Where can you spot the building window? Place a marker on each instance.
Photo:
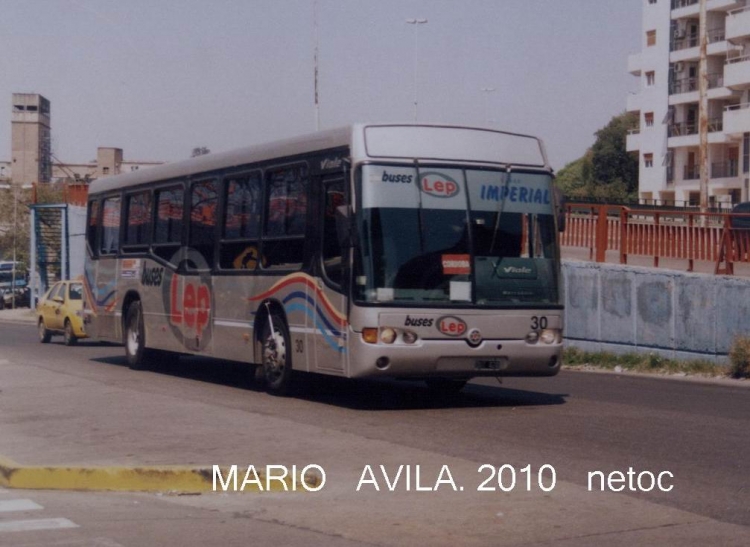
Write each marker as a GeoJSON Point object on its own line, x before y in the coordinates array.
{"type": "Point", "coordinates": [650, 38]}
{"type": "Point", "coordinates": [648, 160]}
{"type": "Point", "coordinates": [652, 1]}
{"type": "Point", "coordinates": [746, 152]}
{"type": "Point", "coordinates": [648, 118]}
{"type": "Point", "coordinates": [105, 170]}
{"type": "Point", "coordinates": [650, 78]}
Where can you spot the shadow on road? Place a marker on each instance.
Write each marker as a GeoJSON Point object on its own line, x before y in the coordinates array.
{"type": "Point", "coordinates": [368, 395]}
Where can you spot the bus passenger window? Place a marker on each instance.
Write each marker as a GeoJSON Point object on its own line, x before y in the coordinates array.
{"type": "Point", "coordinates": [92, 226]}
{"type": "Point", "coordinates": [168, 225]}
{"type": "Point", "coordinates": [332, 255]}
{"type": "Point", "coordinates": [110, 240]}
{"type": "Point", "coordinates": [286, 217]}
{"type": "Point", "coordinates": [137, 220]}
{"type": "Point", "coordinates": [241, 230]}
{"type": "Point", "coordinates": [203, 202]}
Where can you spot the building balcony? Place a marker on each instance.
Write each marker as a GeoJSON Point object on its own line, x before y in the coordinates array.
{"type": "Point", "coordinates": [633, 102]}
{"type": "Point", "coordinates": [738, 25]}
{"type": "Point", "coordinates": [720, 170]}
{"type": "Point", "coordinates": [686, 134]}
{"type": "Point", "coordinates": [633, 140]}
{"type": "Point", "coordinates": [724, 170]}
{"type": "Point", "coordinates": [737, 119]}
{"type": "Point", "coordinates": [737, 73]}
{"type": "Point", "coordinates": [634, 64]}
{"type": "Point", "coordinates": [724, 5]}
{"type": "Point", "coordinates": [684, 8]}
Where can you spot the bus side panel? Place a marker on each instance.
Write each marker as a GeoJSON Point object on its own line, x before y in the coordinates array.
{"type": "Point", "coordinates": [330, 330]}
{"type": "Point", "coordinates": [101, 291]}
{"type": "Point", "coordinates": [154, 286]}
{"type": "Point", "coordinates": [234, 316]}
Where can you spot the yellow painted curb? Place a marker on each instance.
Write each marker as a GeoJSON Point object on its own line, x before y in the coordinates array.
{"type": "Point", "coordinates": [137, 479]}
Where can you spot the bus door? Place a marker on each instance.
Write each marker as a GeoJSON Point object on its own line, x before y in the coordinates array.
{"type": "Point", "coordinates": [330, 303]}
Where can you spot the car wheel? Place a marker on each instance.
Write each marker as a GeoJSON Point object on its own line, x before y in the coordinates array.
{"type": "Point", "coordinates": [135, 338]}
{"type": "Point", "coordinates": [44, 335]}
{"type": "Point", "coordinates": [68, 336]}
{"type": "Point", "coordinates": [277, 359]}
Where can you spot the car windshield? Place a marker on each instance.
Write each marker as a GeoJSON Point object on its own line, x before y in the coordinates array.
{"type": "Point", "coordinates": [76, 291]}
{"type": "Point", "coordinates": [450, 236]}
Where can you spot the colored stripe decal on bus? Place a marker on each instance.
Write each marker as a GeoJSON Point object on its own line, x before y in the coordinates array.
{"type": "Point", "coordinates": [307, 311]}
{"type": "Point", "coordinates": [318, 311]}
{"type": "Point", "coordinates": [327, 320]}
{"type": "Point", "coordinates": [333, 314]}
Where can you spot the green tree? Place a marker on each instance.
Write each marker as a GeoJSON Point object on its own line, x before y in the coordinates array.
{"type": "Point", "coordinates": [606, 171]}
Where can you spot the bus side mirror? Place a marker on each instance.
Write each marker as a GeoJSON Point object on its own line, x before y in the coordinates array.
{"type": "Point", "coordinates": [344, 230]}
{"type": "Point", "coordinates": [559, 208]}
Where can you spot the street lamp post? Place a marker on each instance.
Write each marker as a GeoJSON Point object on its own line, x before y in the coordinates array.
{"type": "Point", "coordinates": [487, 91]}
{"type": "Point", "coordinates": [416, 23]}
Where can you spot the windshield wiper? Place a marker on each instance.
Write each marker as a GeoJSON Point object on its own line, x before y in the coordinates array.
{"type": "Point", "coordinates": [501, 206]}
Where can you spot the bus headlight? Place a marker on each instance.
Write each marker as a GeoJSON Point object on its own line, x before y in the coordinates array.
{"type": "Point", "coordinates": [388, 335]}
{"type": "Point", "coordinates": [532, 337]}
{"type": "Point", "coordinates": [548, 336]}
{"type": "Point", "coordinates": [409, 337]}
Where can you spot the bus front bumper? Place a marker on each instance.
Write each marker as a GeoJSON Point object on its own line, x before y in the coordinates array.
{"type": "Point", "coordinates": [455, 359]}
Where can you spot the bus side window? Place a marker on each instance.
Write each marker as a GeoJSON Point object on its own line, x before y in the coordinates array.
{"type": "Point", "coordinates": [332, 253]}
{"type": "Point", "coordinates": [283, 241]}
{"type": "Point", "coordinates": [168, 225]}
{"type": "Point", "coordinates": [110, 238]}
{"type": "Point", "coordinates": [92, 225]}
{"type": "Point", "coordinates": [204, 198]}
{"type": "Point", "coordinates": [241, 229]}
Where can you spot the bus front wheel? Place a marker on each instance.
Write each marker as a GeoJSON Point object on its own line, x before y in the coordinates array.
{"type": "Point", "coordinates": [277, 360]}
{"type": "Point", "coordinates": [134, 337]}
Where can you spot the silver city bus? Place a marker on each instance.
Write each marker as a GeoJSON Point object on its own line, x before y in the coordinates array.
{"type": "Point", "coordinates": [410, 251]}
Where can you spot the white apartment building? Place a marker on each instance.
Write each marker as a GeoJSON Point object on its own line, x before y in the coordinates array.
{"type": "Point", "coordinates": [667, 140]}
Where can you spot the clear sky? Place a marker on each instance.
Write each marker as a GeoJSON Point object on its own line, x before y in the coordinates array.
{"type": "Point", "coordinates": [160, 77]}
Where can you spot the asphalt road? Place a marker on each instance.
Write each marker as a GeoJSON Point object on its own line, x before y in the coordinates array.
{"type": "Point", "coordinates": [577, 422]}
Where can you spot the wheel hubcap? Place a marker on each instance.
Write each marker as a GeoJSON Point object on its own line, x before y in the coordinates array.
{"type": "Point", "coordinates": [274, 355]}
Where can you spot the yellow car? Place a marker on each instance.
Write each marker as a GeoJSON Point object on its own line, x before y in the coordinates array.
{"type": "Point", "coordinates": [59, 311]}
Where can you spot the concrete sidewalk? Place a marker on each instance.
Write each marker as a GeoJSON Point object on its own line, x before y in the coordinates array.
{"type": "Point", "coordinates": [19, 315]}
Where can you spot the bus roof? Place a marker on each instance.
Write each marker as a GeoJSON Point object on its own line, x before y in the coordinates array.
{"type": "Point", "coordinates": [377, 141]}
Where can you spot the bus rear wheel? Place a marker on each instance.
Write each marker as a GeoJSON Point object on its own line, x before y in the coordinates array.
{"type": "Point", "coordinates": [134, 337]}
{"type": "Point", "coordinates": [277, 360]}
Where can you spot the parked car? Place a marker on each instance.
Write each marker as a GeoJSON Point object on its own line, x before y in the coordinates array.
{"type": "Point", "coordinates": [742, 222]}
{"type": "Point", "coordinates": [22, 297]}
{"type": "Point", "coordinates": [60, 311]}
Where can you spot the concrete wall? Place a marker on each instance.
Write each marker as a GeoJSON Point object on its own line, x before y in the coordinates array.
{"type": "Point", "coordinates": [676, 314]}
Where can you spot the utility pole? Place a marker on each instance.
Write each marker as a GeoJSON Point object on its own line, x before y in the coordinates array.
{"type": "Point", "coordinates": [703, 109]}
{"type": "Point", "coordinates": [317, 102]}
{"type": "Point", "coordinates": [416, 23]}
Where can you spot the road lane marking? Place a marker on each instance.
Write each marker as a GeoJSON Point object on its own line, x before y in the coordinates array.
{"type": "Point", "coordinates": [35, 524]}
{"type": "Point", "coordinates": [6, 506]}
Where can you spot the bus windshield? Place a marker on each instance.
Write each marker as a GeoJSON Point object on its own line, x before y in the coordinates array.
{"type": "Point", "coordinates": [454, 236]}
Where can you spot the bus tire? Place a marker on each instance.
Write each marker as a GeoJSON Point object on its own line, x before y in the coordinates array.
{"type": "Point", "coordinates": [44, 335]}
{"type": "Point", "coordinates": [68, 336]}
{"type": "Point", "coordinates": [276, 357]}
{"type": "Point", "coordinates": [445, 386]}
{"type": "Point", "coordinates": [134, 337]}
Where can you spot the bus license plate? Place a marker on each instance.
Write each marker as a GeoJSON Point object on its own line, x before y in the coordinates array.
{"type": "Point", "coordinates": [491, 364]}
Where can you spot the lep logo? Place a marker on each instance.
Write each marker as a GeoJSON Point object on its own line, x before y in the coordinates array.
{"type": "Point", "coordinates": [439, 185]}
